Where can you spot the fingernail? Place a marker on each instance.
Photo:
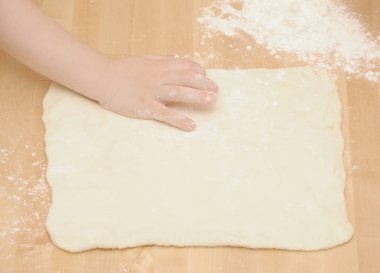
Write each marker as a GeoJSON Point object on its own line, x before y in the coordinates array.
{"type": "Point", "coordinates": [211, 97]}
{"type": "Point", "coordinates": [190, 125]}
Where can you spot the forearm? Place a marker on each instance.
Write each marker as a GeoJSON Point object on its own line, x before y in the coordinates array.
{"type": "Point", "coordinates": [138, 87]}
{"type": "Point", "coordinates": [38, 42]}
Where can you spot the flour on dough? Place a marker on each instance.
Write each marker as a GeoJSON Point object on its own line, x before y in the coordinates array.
{"type": "Point", "coordinates": [264, 168]}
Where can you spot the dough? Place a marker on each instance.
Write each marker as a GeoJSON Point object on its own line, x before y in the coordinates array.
{"type": "Point", "coordinates": [264, 169]}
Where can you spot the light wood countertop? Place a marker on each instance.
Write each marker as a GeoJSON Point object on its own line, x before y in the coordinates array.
{"type": "Point", "coordinates": [124, 27]}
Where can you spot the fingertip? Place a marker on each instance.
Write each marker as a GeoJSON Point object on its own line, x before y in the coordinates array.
{"type": "Point", "coordinates": [189, 125]}
{"type": "Point", "coordinates": [170, 117]}
{"type": "Point", "coordinates": [210, 97]}
{"type": "Point", "coordinates": [212, 86]}
{"type": "Point", "coordinates": [216, 87]}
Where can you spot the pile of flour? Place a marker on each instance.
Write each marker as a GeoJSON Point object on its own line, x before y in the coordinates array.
{"type": "Point", "coordinates": [318, 32]}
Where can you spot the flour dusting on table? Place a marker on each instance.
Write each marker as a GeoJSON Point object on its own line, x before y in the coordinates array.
{"type": "Point", "coordinates": [26, 194]}
{"type": "Point", "coordinates": [318, 32]}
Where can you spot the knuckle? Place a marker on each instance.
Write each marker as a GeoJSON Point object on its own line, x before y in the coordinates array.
{"type": "Point", "coordinates": [196, 68]}
{"type": "Point", "coordinates": [191, 96]}
{"type": "Point", "coordinates": [192, 65]}
{"type": "Point", "coordinates": [196, 77]}
{"type": "Point", "coordinates": [163, 113]}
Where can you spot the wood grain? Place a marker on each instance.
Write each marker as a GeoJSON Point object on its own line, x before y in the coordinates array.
{"type": "Point", "coordinates": [124, 27]}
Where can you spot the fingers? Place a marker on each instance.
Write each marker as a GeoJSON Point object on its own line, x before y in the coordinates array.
{"type": "Point", "coordinates": [173, 118]}
{"type": "Point", "coordinates": [190, 79]}
{"type": "Point", "coordinates": [177, 64]}
{"type": "Point", "coordinates": [172, 63]}
{"type": "Point", "coordinates": [183, 72]}
{"type": "Point", "coordinates": [186, 95]}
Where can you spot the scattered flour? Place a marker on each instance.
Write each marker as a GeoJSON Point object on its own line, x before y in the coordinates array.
{"type": "Point", "coordinates": [318, 32]}
{"type": "Point", "coordinates": [25, 196]}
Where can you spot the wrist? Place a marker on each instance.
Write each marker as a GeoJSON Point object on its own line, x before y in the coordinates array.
{"type": "Point", "coordinates": [95, 81]}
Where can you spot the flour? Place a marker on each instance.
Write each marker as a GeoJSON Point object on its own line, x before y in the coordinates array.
{"type": "Point", "coordinates": [26, 194]}
{"type": "Point", "coordinates": [318, 32]}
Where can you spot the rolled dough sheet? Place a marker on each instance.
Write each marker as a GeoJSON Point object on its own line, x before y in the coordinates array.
{"type": "Point", "coordinates": [264, 169]}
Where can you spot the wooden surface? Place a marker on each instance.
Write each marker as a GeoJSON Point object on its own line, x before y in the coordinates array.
{"type": "Point", "coordinates": [124, 27]}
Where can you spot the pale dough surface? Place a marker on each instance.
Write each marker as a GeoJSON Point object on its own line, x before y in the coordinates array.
{"type": "Point", "coordinates": [264, 169]}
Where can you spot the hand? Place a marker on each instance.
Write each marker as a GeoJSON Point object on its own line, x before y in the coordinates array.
{"type": "Point", "coordinates": [138, 87]}
{"type": "Point", "coordinates": [141, 87]}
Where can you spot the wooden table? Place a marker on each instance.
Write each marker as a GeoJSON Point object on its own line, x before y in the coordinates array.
{"type": "Point", "coordinates": [124, 27]}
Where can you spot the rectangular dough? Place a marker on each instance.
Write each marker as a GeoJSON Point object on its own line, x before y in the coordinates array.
{"type": "Point", "coordinates": [263, 169]}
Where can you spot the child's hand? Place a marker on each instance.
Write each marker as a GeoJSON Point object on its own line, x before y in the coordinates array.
{"type": "Point", "coordinates": [140, 87]}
